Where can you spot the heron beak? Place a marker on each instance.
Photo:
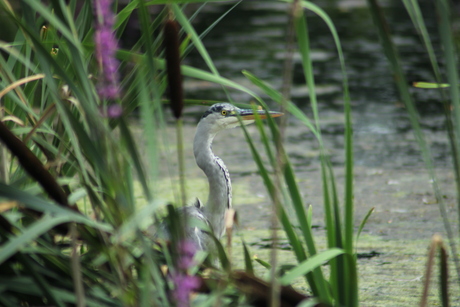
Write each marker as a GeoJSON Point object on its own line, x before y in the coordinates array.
{"type": "Point", "coordinates": [248, 114]}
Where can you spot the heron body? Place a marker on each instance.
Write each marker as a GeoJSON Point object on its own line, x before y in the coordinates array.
{"type": "Point", "coordinates": [217, 118]}
{"type": "Point", "coordinates": [220, 185]}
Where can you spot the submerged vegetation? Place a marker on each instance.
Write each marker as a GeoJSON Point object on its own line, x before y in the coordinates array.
{"type": "Point", "coordinates": [73, 226]}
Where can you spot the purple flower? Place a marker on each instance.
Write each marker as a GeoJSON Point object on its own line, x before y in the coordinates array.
{"type": "Point", "coordinates": [106, 47]}
{"type": "Point", "coordinates": [184, 283]}
{"type": "Point", "coordinates": [186, 251]}
{"type": "Point", "coordinates": [112, 111]}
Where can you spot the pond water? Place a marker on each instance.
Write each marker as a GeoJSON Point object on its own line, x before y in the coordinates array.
{"type": "Point", "coordinates": [253, 37]}
{"type": "Point", "coordinates": [389, 172]}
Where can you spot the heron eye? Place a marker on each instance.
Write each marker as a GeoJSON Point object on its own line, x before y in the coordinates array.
{"type": "Point", "coordinates": [223, 112]}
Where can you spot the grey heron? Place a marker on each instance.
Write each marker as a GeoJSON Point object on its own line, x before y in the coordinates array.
{"type": "Point", "coordinates": [218, 117]}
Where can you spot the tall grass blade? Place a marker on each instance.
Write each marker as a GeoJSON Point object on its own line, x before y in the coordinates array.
{"type": "Point", "coordinates": [182, 19]}
{"type": "Point", "coordinates": [247, 260]}
{"type": "Point", "coordinates": [38, 228]}
{"type": "Point", "coordinates": [450, 54]}
{"type": "Point", "coordinates": [135, 157]}
{"type": "Point", "coordinates": [41, 205]}
{"type": "Point", "coordinates": [401, 82]}
{"type": "Point", "coordinates": [76, 268]}
{"type": "Point", "coordinates": [449, 51]}
{"type": "Point", "coordinates": [222, 255]}
{"type": "Point", "coordinates": [195, 38]}
{"type": "Point", "coordinates": [147, 119]}
{"type": "Point", "coordinates": [348, 222]}
{"type": "Point", "coordinates": [310, 264]}
{"type": "Point", "coordinates": [40, 281]}
{"type": "Point", "coordinates": [212, 26]}
{"type": "Point", "coordinates": [147, 34]}
{"type": "Point", "coordinates": [363, 222]}
{"type": "Point", "coordinates": [315, 279]}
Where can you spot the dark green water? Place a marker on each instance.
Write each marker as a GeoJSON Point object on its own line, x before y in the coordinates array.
{"type": "Point", "coordinates": [253, 37]}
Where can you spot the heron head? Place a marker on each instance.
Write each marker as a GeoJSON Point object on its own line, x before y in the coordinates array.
{"type": "Point", "coordinates": [222, 116]}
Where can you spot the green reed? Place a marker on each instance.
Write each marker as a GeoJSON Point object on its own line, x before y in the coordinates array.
{"type": "Point", "coordinates": [449, 97]}
{"type": "Point", "coordinates": [96, 163]}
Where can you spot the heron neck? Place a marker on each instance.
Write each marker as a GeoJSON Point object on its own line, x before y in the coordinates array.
{"type": "Point", "coordinates": [220, 187]}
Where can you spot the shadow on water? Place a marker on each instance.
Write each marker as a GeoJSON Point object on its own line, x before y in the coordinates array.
{"type": "Point", "coordinates": [252, 37]}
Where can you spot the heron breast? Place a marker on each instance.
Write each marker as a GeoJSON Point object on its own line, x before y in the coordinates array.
{"type": "Point", "coordinates": [228, 182]}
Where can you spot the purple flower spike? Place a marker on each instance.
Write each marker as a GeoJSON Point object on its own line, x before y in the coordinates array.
{"type": "Point", "coordinates": [106, 48]}
{"type": "Point", "coordinates": [184, 283]}
{"type": "Point", "coordinates": [186, 251]}
{"type": "Point", "coordinates": [112, 111]}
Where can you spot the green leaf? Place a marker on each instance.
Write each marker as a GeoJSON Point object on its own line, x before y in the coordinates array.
{"type": "Point", "coordinates": [310, 264]}
{"type": "Point", "coordinates": [226, 265]}
{"type": "Point", "coordinates": [363, 223]}
{"type": "Point", "coordinates": [182, 19]}
{"type": "Point", "coordinates": [247, 260]}
{"type": "Point", "coordinates": [38, 204]}
{"type": "Point", "coordinates": [135, 157]}
{"type": "Point", "coordinates": [31, 233]}
{"type": "Point", "coordinates": [263, 263]}
{"type": "Point", "coordinates": [430, 85]}
{"type": "Point", "coordinates": [277, 97]}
